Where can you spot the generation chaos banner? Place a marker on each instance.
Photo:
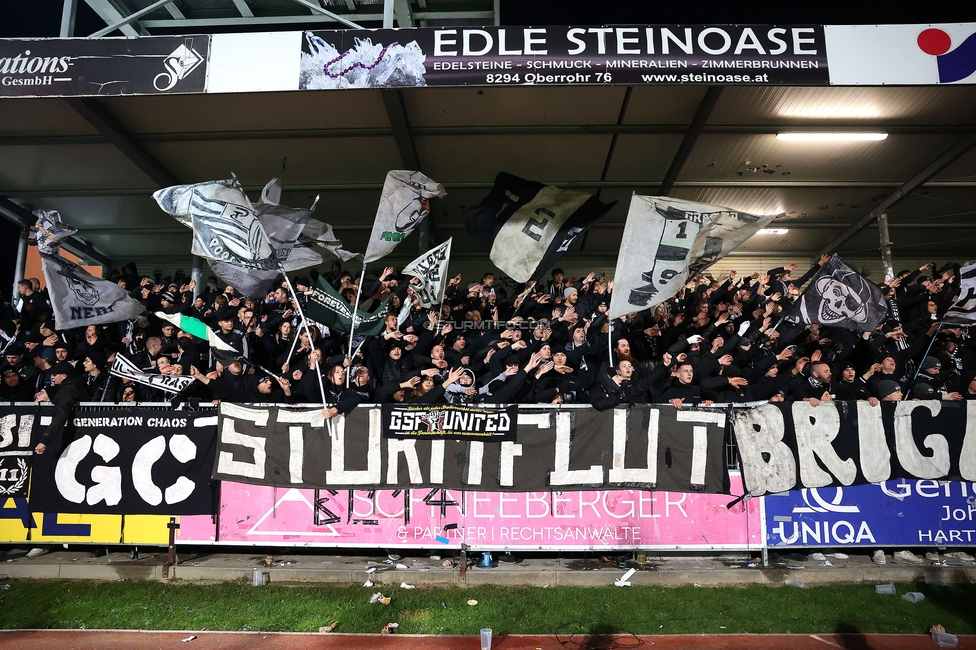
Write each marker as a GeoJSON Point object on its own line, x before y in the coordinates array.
{"type": "Point", "coordinates": [133, 461]}
{"type": "Point", "coordinates": [631, 55]}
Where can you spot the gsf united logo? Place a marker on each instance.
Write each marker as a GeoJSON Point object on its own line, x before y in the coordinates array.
{"type": "Point", "coordinates": [179, 64]}
{"type": "Point", "coordinates": [954, 64]}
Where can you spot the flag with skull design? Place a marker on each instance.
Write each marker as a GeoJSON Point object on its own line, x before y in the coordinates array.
{"type": "Point", "coordinates": [838, 296]}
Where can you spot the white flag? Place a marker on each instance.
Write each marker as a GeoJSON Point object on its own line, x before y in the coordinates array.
{"type": "Point", "coordinates": [963, 311]}
{"type": "Point", "coordinates": [666, 240]}
{"type": "Point", "coordinates": [79, 299]}
{"type": "Point", "coordinates": [124, 368]}
{"type": "Point", "coordinates": [403, 205]}
{"type": "Point", "coordinates": [431, 269]}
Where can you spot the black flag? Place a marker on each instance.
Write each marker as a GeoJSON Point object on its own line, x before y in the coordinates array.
{"type": "Point", "coordinates": [839, 297]}
{"type": "Point", "coordinates": [527, 226]}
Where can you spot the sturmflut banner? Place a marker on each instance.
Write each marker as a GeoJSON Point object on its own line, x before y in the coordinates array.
{"type": "Point", "coordinates": [137, 461]}
{"type": "Point", "coordinates": [795, 445]}
{"type": "Point", "coordinates": [650, 448]}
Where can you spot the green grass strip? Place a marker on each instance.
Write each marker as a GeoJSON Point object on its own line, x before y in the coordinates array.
{"type": "Point", "coordinates": [638, 610]}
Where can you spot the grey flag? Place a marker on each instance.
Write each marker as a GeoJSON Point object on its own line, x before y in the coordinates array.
{"type": "Point", "coordinates": [80, 299]}
{"type": "Point", "coordinates": [403, 205]}
{"type": "Point", "coordinates": [283, 225]}
{"type": "Point", "coordinates": [667, 240]}
{"type": "Point", "coordinates": [49, 232]}
{"type": "Point", "coordinates": [225, 224]}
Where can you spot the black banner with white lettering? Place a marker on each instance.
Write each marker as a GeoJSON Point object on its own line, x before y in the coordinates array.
{"type": "Point", "coordinates": [17, 440]}
{"type": "Point", "coordinates": [133, 461]}
{"type": "Point", "coordinates": [445, 422]}
{"type": "Point", "coordinates": [631, 55]}
{"type": "Point", "coordinates": [789, 446]}
{"type": "Point", "coordinates": [103, 66]}
{"type": "Point", "coordinates": [644, 447]}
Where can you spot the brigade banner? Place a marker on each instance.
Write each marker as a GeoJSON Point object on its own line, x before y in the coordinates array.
{"type": "Point", "coordinates": [631, 55]}
{"type": "Point", "coordinates": [645, 447]}
{"type": "Point", "coordinates": [17, 424]}
{"type": "Point", "coordinates": [136, 461]}
{"type": "Point", "coordinates": [794, 445]}
{"type": "Point", "coordinates": [103, 66]}
{"type": "Point", "coordinates": [895, 513]}
{"type": "Point", "coordinates": [446, 422]}
{"type": "Point", "coordinates": [446, 519]}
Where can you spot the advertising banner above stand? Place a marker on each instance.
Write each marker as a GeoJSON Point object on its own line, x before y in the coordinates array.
{"type": "Point", "coordinates": [105, 66]}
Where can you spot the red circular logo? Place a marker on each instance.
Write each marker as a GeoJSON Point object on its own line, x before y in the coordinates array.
{"type": "Point", "coordinates": [934, 41]}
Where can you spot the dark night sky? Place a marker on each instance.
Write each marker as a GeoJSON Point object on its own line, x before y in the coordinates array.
{"type": "Point", "coordinates": [27, 18]}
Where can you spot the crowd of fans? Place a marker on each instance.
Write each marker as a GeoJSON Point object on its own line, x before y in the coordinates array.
{"type": "Point", "coordinates": [716, 341]}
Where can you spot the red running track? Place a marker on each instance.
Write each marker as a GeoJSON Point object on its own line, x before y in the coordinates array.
{"type": "Point", "coordinates": [137, 640]}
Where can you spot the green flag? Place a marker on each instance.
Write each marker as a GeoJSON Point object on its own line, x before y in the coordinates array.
{"type": "Point", "coordinates": [329, 308]}
{"type": "Point", "coordinates": [196, 328]}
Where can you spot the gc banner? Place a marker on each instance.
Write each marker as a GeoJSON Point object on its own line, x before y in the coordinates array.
{"type": "Point", "coordinates": [650, 448]}
{"type": "Point", "coordinates": [137, 461]}
{"type": "Point", "coordinates": [17, 448]}
{"type": "Point", "coordinates": [790, 446]}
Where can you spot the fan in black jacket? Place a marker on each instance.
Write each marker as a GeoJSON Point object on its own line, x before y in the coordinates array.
{"type": "Point", "coordinates": [67, 391]}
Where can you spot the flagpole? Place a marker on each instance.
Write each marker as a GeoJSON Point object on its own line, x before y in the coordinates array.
{"type": "Point", "coordinates": [355, 312]}
{"type": "Point", "coordinates": [311, 343]}
{"type": "Point", "coordinates": [294, 342]}
{"type": "Point", "coordinates": [919, 368]}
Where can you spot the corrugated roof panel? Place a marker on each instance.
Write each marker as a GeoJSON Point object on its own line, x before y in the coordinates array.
{"type": "Point", "coordinates": [521, 106]}
{"type": "Point", "coordinates": [805, 105]}
{"type": "Point", "coordinates": [536, 157]}
{"type": "Point", "coordinates": [249, 112]}
{"type": "Point", "coordinates": [643, 157]}
{"type": "Point", "coordinates": [58, 167]}
{"type": "Point", "coordinates": [335, 160]}
{"type": "Point", "coordinates": [763, 157]}
{"type": "Point", "coordinates": [34, 117]}
{"type": "Point", "coordinates": [841, 204]}
{"type": "Point", "coordinates": [663, 105]}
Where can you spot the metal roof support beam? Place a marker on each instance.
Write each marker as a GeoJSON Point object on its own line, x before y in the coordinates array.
{"type": "Point", "coordinates": [243, 9]}
{"type": "Point", "coordinates": [613, 145]}
{"type": "Point", "coordinates": [26, 219]}
{"type": "Point", "coordinates": [691, 137]}
{"type": "Point", "coordinates": [111, 12]}
{"type": "Point", "coordinates": [397, 114]}
{"type": "Point", "coordinates": [240, 21]}
{"type": "Point", "coordinates": [325, 12]}
{"type": "Point", "coordinates": [68, 14]}
{"type": "Point", "coordinates": [108, 126]}
{"type": "Point", "coordinates": [947, 158]}
{"type": "Point", "coordinates": [130, 18]}
{"type": "Point", "coordinates": [404, 16]}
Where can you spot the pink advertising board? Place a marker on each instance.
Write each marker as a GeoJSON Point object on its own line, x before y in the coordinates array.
{"type": "Point", "coordinates": [265, 516]}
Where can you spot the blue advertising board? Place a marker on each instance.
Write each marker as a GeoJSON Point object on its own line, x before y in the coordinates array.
{"type": "Point", "coordinates": [895, 513]}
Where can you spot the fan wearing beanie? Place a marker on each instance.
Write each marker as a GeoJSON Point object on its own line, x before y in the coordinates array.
{"type": "Point", "coordinates": [67, 391]}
